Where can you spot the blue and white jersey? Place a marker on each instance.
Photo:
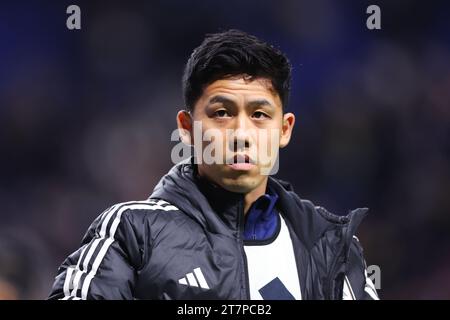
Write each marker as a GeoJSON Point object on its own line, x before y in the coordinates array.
{"type": "Point", "coordinates": [272, 269]}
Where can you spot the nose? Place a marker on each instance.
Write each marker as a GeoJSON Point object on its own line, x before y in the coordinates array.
{"type": "Point", "coordinates": [241, 138]}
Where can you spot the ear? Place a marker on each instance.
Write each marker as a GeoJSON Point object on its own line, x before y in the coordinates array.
{"type": "Point", "coordinates": [286, 129]}
{"type": "Point", "coordinates": [184, 124]}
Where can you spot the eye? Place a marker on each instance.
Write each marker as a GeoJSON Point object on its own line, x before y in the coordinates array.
{"type": "Point", "coordinates": [260, 115]}
{"type": "Point", "coordinates": [222, 113]}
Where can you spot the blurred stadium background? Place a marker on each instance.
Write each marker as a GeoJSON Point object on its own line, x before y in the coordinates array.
{"type": "Point", "coordinates": [86, 118]}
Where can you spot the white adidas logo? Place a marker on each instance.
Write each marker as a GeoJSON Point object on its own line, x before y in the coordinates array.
{"type": "Point", "coordinates": [195, 279]}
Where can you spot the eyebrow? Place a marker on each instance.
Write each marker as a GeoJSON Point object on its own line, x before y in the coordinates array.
{"type": "Point", "coordinates": [252, 104]}
{"type": "Point", "coordinates": [221, 99]}
{"type": "Point", "coordinates": [260, 103]}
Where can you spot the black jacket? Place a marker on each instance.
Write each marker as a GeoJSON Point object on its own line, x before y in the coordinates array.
{"type": "Point", "coordinates": [140, 249]}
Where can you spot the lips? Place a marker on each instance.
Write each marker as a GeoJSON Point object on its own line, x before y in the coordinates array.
{"type": "Point", "coordinates": [242, 162]}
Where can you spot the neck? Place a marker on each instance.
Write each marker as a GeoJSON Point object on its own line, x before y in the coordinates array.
{"type": "Point", "coordinates": [253, 195]}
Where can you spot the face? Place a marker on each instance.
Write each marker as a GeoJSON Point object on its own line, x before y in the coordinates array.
{"type": "Point", "coordinates": [244, 122]}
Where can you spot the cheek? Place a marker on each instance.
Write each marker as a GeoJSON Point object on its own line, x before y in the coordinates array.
{"type": "Point", "coordinates": [268, 141]}
{"type": "Point", "coordinates": [215, 142]}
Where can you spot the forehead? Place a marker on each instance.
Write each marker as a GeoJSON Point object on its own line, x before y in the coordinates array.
{"type": "Point", "coordinates": [242, 88]}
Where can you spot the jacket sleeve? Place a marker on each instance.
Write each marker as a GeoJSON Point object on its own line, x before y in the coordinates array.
{"type": "Point", "coordinates": [105, 265]}
{"type": "Point", "coordinates": [357, 284]}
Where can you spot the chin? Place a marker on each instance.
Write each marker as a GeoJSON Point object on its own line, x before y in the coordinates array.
{"type": "Point", "coordinates": [240, 185]}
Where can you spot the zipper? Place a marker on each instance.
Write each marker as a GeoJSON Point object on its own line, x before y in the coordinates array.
{"type": "Point", "coordinates": [331, 277]}
{"type": "Point", "coordinates": [332, 273]}
{"type": "Point", "coordinates": [241, 248]}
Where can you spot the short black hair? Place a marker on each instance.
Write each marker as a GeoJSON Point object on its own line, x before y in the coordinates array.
{"type": "Point", "coordinates": [231, 53]}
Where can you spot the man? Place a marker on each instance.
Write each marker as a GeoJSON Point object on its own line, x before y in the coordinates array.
{"type": "Point", "coordinates": [217, 226]}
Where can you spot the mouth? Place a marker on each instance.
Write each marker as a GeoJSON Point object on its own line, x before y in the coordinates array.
{"type": "Point", "coordinates": [241, 162]}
